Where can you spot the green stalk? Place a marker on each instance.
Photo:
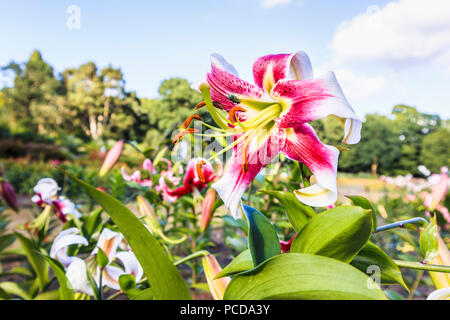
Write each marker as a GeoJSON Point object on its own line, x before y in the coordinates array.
{"type": "Point", "coordinates": [400, 224]}
{"type": "Point", "coordinates": [422, 266]}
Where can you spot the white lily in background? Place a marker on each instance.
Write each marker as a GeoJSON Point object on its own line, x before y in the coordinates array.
{"type": "Point", "coordinates": [61, 243]}
{"type": "Point", "coordinates": [46, 190]}
{"type": "Point", "coordinates": [109, 241]}
{"type": "Point", "coordinates": [76, 268]}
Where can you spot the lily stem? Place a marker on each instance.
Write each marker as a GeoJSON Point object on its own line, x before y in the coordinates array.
{"type": "Point", "coordinates": [422, 266]}
{"type": "Point", "coordinates": [400, 224]}
{"type": "Point", "coordinates": [197, 254]}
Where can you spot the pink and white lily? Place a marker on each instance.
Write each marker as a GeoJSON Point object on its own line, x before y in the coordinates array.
{"type": "Point", "coordinates": [136, 175]}
{"type": "Point", "coordinates": [198, 174]}
{"type": "Point", "coordinates": [46, 193]}
{"type": "Point", "coordinates": [271, 116]}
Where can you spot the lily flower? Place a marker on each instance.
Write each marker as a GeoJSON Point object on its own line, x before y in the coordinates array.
{"type": "Point", "coordinates": [271, 116]}
{"type": "Point", "coordinates": [198, 174]}
{"type": "Point", "coordinates": [111, 157]}
{"type": "Point", "coordinates": [46, 190]}
{"type": "Point", "coordinates": [64, 207]}
{"type": "Point", "coordinates": [62, 242]}
{"type": "Point", "coordinates": [109, 241]}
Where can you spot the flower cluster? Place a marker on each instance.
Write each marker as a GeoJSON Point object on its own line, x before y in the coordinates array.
{"type": "Point", "coordinates": [46, 193]}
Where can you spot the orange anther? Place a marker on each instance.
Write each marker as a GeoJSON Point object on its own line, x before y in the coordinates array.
{"type": "Point", "coordinates": [200, 171]}
{"type": "Point", "coordinates": [245, 164]}
{"type": "Point", "coordinates": [182, 133]}
{"type": "Point", "coordinates": [232, 112]}
{"type": "Point", "coordinates": [189, 120]}
{"type": "Point", "coordinates": [200, 105]}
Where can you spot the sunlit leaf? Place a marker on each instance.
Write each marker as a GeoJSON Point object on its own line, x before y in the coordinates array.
{"type": "Point", "coordinates": [304, 277]}
{"type": "Point", "coordinates": [337, 233]}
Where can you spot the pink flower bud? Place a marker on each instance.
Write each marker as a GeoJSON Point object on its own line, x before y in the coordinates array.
{"type": "Point", "coordinates": [207, 205]}
{"type": "Point", "coordinates": [111, 158]}
{"type": "Point", "coordinates": [9, 195]}
{"type": "Point", "coordinates": [212, 268]}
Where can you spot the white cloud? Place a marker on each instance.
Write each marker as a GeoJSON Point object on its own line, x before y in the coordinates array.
{"type": "Point", "coordinates": [401, 33]}
{"type": "Point", "coordinates": [267, 4]}
{"type": "Point", "coordinates": [359, 86]}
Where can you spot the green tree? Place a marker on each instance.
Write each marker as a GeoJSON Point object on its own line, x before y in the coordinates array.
{"type": "Point", "coordinates": [435, 151]}
{"type": "Point", "coordinates": [36, 99]}
{"type": "Point", "coordinates": [378, 151]}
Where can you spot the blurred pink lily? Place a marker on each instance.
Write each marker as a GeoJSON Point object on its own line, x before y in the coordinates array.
{"type": "Point", "coordinates": [136, 175]}
{"type": "Point", "coordinates": [111, 157]}
{"type": "Point", "coordinates": [198, 174]}
{"type": "Point", "coordinates": [272, 116]}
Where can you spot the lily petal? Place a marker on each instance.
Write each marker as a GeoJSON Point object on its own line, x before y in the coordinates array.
{"type": "Point", "coordinates": [46, 189]}
{"type": "Point", "coordinates": [260, 151]}
{"type": "Point", "coordinates": [224, 81]}
{"type": "Point", "coordinates": [268, 70]}
{"type": "Point", "coordinates": [76, 274]}
{"type": "Point", "coordinates": [62, 242]}
{"type": "Point", "coordinates": [108, 242]}
{"type": "Point", "coordinates": [308, 100]}
{"type": "Point", "coordinates": [303, 145]}
{"type": "Point", "coordinates": [110, 277]}
{"type": "Point", "coordinates": [131, 264]}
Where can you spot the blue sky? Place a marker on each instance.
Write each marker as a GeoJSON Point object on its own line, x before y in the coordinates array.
{"type": "Point", "coordinates": [383, 52]}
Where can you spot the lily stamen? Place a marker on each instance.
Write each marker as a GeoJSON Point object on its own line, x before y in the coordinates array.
{"type": "Point", "coordinates": [182, 133]}
{"type": "Point", "coordinates": [199, 170]}
{"type": "Point", "coordinates": [232, 113]}
{"type": "Point", "coordinates": [189, 120]}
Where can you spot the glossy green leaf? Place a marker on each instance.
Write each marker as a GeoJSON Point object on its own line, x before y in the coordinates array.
{"type": "Point", "coordinates": [6, 240]}
{"type": "Point", "coordinates": [15, 289]}
{"type": "Point", "coordinates": [40, 266]}
{"type": "Point", "coordinates": [303, 277]}
{"type": "Point", "coordinates": [242, 262]}
{"type": "Point", "coordinates": [146, 294]}
{"type": "Point", "coordinates": [365, 204]}
{"type": "Point", "coordinates": [298, 213]}
{"type": "Point", "coordinates": [164, 278]}
{"type": "Point", "coordinates": [429, 244]}
{"type": "Point", "coordinates": [65, 291]}
{"type": "Point", "coordinates": [92, 222]}
{"type": "Point", "coordinates": [102, 258]}
{"type": "Point", "coordinates": [337, 233]}
{"type": "Point", "coordinates": [127, 282]}
{"type": "Point", "coordinates": [263, 241]}
{"type": "Point", "coordinates": [371, 256]}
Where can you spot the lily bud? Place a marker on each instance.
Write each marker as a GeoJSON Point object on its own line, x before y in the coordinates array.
{"type": "Point", "coordinates": [111, 158]}
{"type": "Point", "coordinates": [207, 205]}
{"type": "Point", "coordinates": [149, 214]}
{"type": "Point", "coordinates": [9, 195]}
{"type": "Point", "coordinates": [441, 280]}
{"type": "Point", "coordinates": [212, 268]}
{"type": "Point", "coordinates": [439, 189]}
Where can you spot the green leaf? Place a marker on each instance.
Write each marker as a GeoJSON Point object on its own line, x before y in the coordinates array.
{"type": "Point", "coordinates": [6, 240]}
{"type": "Point", "coordinates": [242, 262]}
{"type": "Point", "coordinates": [429, 244]}
{"type": "Point", "coordinates": [16, 289]}
{"type": "Point", "coordinates": [48, 295]}
{"type": "Point", "coordinates": [65, 290]}
{"type": "Point", "coordinates": [127, 282]}
{"type": "Point", "coordinates": [337, 233]}
{"type": "Point", "coordinates": [365, 204]}
{"type": "Point", "coordinates": [146, 294]}
{"type": "Point", "coordinates": [164, 278]}
{"type": "Point", "coordinates": [305, 277]}
{"type": "Point", "coordinates": [92, 222]}
{"type": "Point", "coordinates": [372, 255]}
{"type": "Point", "coordinates": [263, 241]}
{"type": "Point", "coordinates": [102, 258]}
{"type": "Point", "coordinates": [40, 266]}
{"type": "Point", "coordinates": [298, 213]}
